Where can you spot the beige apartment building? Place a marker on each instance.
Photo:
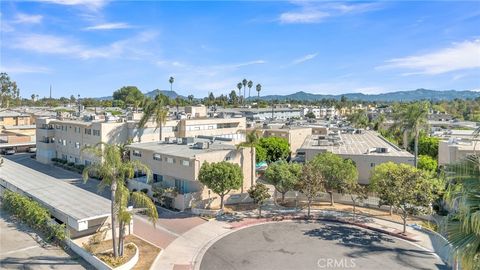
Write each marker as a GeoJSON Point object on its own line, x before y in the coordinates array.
{"type": "Point", "coordinates": [366, 148]}
{"type": "Point", "coordinates": [65, 138]}
{"type": "Point", "coordinates": [455, 149]}
{"type": "Point", "coordinates": [294, 135]}
{"type": "Point", "coordinates": [177, 164]}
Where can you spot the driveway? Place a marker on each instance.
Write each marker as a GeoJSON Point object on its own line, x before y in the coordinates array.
{"type": "Point", "coordinates": [21, 248]}
{"type": "Point", "coordinates": [168, 227]}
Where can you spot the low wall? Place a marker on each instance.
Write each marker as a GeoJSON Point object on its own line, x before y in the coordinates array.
{"type": "Point", "coordinates": [442, 248]}
{"type": "Point", "coordinates": [99, 264]}
{"type": "Point", "coordinates": [204, 212]}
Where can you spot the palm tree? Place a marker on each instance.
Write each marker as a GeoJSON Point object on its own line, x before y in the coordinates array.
{"type": "Point", "coordinates": [463, 224]}
{"type": "Point", "coordinates": [171, 80]}
{"type": "Point", "coordinates": [114, 172]}
{"type": "Point", "coordinates": [244, 83]}
{"type": "Point", "coordinates": [258, 88]}
{"type": "Point", "coordinates": [157, 110]}
{"type": "Point", "coordinates": [411, 119]}
{"type": "Point", "coordinates": [190, 98]}
{"type": "Point", "coordinates": [250, 85]}
{"type": "Point", "coordinates": [239, 86]}
{"type": "Point", "coordinates": [251, 140]}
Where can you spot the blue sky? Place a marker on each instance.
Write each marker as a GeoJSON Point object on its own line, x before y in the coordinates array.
{"type": "Point", "coordinates": [93, 47]}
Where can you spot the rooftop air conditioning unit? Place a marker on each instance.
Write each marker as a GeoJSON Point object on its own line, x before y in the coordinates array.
{"type": "Point", "coordinates": [201, 145]}
{"type": "Point", "coordinates": [383, 150]}
{"type": "Point", "coordinates": [170, 139]}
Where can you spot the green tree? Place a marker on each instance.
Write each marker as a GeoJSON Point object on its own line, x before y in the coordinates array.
{"type": "Point", "coordinates": [428, 146]}
{"type": "Point", "coordinates": [249, 85]}
{"type": "Point", "coordinates": [358, 193]}
{"type": "Point", "coordinates": [404, 187]}
{"type": "Point", "coordinates": [275, 148]}
{"type": "Point", "coordinates": [251, 142]}
{"type": "Point", "coordinates": [221, 177]}
{"type": "Point", "coordinates": [339, 173]}
{"type": "Point", "coordinates": [411, 119]}
{"type": "Point", "coordinates": [283, 176]}
{"type": "Point", "coordinates": [427, 163]}
{"type": "Point", "coordinates": [259, 194]}
{"type": "Point", "coordinates": [171, 80]}
{"type": "Point", "coordinates": [311, 183]}
{"type": "Point", "coordinates": [114, 173]}
{"type": "Point", "coordinates": [463, 223]}
{"type": "Point", "coordinates": [156, 110]}
{"type": "Point", "coordinates": [130, 95]}
{"type": "Point", "coordinates": [239, 86]}
{"type": "Point", "coordinates": [233, 98]}
{"type": "Point", "coordinates": [8, 91]}
{"type": "Point", "coordinates": [244, 83]}
{"type": "Point", "coordinates": [310, 115]}
{"type": "Point", "coordinates": [359, 119]}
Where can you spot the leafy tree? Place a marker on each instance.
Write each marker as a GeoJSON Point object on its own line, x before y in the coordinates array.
{"type": "Point", "coordinates": [339, 173]}
{"type": "Point", "coordinates": [275, 148]}
{"type": "Point", "coordinates": [8, 91]}
{"type": "Point", "coordinates": [283, 176]}
{"type": "Point", "coordinates": [428, 146]}
{"type": "Point", "coordinates": [359, 119]}
{"type": "Point", "coordinates": [221, 177]}
{"type": "Point", "coordinates": [358, 193]}
{"type": "Point", "coordinates": [427, 163]}
{"type": "Point", "coordinates": [129, 95]}
{"type": "Point", "coordinates": [259, 194]}
{"type": "Point", "coordinates": [411, 119]}
{"type": "Point", "coordinates": [114, 173]}
{"type": "Point", "coordinates": [260, 153]}
{"type": "Point", "coordinates": [310, 115]}
{"type": "Point", "coordinates": [403, 186]}
{"type": "Point", "coordinates": [311, 183]}
{"type": "Point", "coordinates": [158, 111]}
{"type": "Point", "coordinates": [463, 223]}
{"type": "Point", "coordinates": [233, 98]}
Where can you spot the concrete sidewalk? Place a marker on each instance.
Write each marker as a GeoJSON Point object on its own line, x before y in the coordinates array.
{"type": "Point", "coordinates": [186, 251]}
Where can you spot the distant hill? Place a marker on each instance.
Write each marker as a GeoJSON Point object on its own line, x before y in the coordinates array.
{"type": "Point", "coordinates": [412, 95]}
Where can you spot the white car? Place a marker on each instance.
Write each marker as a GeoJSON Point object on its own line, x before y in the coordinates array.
{"type": "Point", "coordinates": [9, 151]}
{"type": "Point", "coordinates": [32, 150]}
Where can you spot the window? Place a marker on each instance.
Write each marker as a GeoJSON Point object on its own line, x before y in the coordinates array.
{"type": "Point", "coordinates": [88, 131]}
{"type": "Point", "coordinates": [372, 164]}
{"type": "Point", "coordinates": [77, 160]}
{"type": "Point", "coordinates": [77, 145]}
{"type": "Point", "coordinates": [170, 160]}
{"type": "Point", "coordinates": [157, 157]}
{"type": "Point", "coordinates": [186, 163]}
{"type": "Point", "coordinates": [96, 132]}
{"type": "Point", "coordinates": [87, 162]}
{"type": "Point", "coordinates": [180, 186]}
{"type": "Point", "coordinates": [64, 142]}
{"type": "Point", "coordinates": [157, 178]}
{"type": "Point", "coordinates": [227, 158]}
{"type": "Point", "coordinates": [136, 153]}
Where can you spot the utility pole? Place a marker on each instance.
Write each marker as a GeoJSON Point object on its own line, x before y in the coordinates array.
{"type": "Point", "coordinates": [50, 91]}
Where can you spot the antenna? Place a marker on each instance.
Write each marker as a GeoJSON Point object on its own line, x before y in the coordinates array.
{"type": "Point", "coordinates": [50, 91]}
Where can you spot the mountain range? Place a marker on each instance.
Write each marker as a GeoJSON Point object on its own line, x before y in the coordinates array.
{"type": "Point", "coordinates": [412, 95]}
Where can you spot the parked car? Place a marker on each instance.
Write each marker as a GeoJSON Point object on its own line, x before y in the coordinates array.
{"type": "Point", "coordinates": [9, 151]}
{"type": "Point", "coordinates": [32, 150]}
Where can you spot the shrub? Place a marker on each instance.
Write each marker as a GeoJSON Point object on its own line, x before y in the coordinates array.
{"type": "Point", "coordinates": [33, 215]}
{"type": "Point", "coordinates": [71, 164]}
{"type": "Point", "coordinates": [144, 190]}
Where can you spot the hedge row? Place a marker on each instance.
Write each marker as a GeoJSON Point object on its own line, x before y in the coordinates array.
{"type": "Point", "coordinates": [68, 165]}
{"type": "Point", "coordinates": [34, 215]}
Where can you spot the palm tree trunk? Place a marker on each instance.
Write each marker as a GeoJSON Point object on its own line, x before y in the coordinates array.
{"type": "Point", "coordinates": [416, 148]}
{"type": "Point", "coordinates": [121, 238]}
{"type": "Point", "coordinates": [160, 131]}
{"type": "Point", "coordinates": [252, 157]}
{"type": "Point", "coordinates": [258, 100]}
{"type": "Point", "coordinates": [114, 217]}
{"type": "Point", "coordinates": [244, 91]}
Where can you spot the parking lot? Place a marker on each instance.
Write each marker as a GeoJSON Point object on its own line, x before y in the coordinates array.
{"type": "Point", "coordinates": [21, 248]}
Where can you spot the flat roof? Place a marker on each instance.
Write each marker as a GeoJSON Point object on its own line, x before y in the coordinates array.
{"type": "Point", "coordinates": [180, 150]}
{"type": "Point", "coordinates": [74, 202]}
{"type": "Point", "coordinates": [356, 144]}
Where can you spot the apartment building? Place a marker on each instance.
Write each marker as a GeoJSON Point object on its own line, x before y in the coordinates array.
{"type": "Point", "coordinates": [16, 130]}
{"type": "Point", "coordinates": [177, 164]}
{"type": "Point", "coordinates": [455, 149]}
{"type": "Point", "coordinates": [13, 118]}
{"type": "Point", "coordinates": [324, 112]}
{"type": "Point", "coordinates": [271, 113]}
{"type": "Point", "coordinates": [366, 148]}
{"type": "Point", "coordinates": [294, 135]}
{"type": "Point", "coordinates": [65, 138]}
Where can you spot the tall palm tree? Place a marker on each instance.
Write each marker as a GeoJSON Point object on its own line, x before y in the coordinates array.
{"type": "Point", "coordinates": [114, 172]}
{"type": "Point", "coordinates": [250, 85]}
{"type": "Point", "coordinates": [251, 140]}
{"type": "Point", "coordinates": [171, 80]}
{"type": "Point", "coordinates": [158, 111]}
{"type": "Point", "coordinates": [411, 119]}
{"type": "Point", "coordinates": [463, 223]}
{"type": "Point", "coordinates": [258, 88]}
{"type": "Point", "coordinates": [244, 83]}
{"type": "Point", "coordinates": [239, 86]}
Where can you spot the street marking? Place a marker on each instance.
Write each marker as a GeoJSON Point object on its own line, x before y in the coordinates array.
{"type": "Point", "coordinates": [19, 250]}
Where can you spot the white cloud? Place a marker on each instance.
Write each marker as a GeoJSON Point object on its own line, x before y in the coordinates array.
{"type": "Point", "coordinates": [109, 26]}
{"type": "Point", "coordinates": [460, 56]}
{"type": "Point", "coordinates": [309, 12]}
{"type": "Point", "coordinates": [28, 19]}
{"type": "Point", "coordinates": [17, 69]}
{"type": "Point", "coordinates": [91, 4]}
{"type": "Point", "coordinates": [50, 44]}
{"type": "Point", "coordinates": [304, 58]}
